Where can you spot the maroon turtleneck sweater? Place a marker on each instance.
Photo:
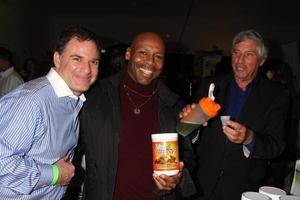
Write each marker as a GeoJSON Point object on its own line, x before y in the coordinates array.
{"type": "Point", "coordinates": [134, 175]}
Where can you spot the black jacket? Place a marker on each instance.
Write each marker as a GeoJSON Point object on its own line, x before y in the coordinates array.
{"type": "Point", "coordinates": [100, 125]}
{"type": "Point", "coordinates": [224, 172]}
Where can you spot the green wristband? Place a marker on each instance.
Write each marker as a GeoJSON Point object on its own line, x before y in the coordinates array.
{"type": "Point", "coordinates": [55, 174]}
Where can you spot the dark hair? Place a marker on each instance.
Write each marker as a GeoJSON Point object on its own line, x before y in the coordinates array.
{"type": "Point", "coordinates": [7, 55]}
{"type": "Point", "coordinates": [81, 33]}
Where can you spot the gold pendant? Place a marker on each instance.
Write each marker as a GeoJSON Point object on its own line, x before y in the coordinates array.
{"type": "Point", "coordinates": [136, 111]}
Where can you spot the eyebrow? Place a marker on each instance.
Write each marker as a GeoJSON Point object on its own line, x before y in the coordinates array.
{"type": "Point", "coordinates": [75, 55]}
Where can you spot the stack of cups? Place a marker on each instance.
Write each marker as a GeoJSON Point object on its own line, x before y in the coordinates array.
{"type": "Point", "coordinates": [272, 192]}
{"type": "Point", "coordinates": [254, 196]}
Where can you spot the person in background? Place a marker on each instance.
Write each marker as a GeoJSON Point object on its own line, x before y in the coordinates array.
{"type": "Point", "coordinates": [117, 121]}
{"type": "Point", "coordinates": [233, 158]}
{"type": "Point", "coordinates": [33, 68]}
{"type": "Point", "coordinates": [116, 58]}
{"type": "Point", "coordinates": [39, 121]}
{"type": "Point", "coordinates": [9, 77]}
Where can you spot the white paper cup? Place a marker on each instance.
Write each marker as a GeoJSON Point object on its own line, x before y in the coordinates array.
{"type": "Point", "coordinates": [254, 196]}
{"type": "Point", "coordinates": [289, 197]}
{"type": "Point", "coordinates": [165, 153]}
{"type": "Point", "coordinates": [272, 192]}
{"type": "Point", "coordinates": [224, 118]}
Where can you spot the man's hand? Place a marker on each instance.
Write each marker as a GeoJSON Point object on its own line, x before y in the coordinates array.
{"type": "Point", "coordinates": [66, 171]}
{"type": "Point", "coordinates": [164, 182]}
{"type": "Point", "coordinates": [187, 110]}
{"type": "Point", "coordinates": [237, 133]}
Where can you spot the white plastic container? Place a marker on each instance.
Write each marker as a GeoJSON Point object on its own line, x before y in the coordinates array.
{"type": "Point", "coordinates": [272, 192]}
{"type": "Point", "coordinates": [165, 153]}
{"type": "Point", "coordinates": [254, 196]}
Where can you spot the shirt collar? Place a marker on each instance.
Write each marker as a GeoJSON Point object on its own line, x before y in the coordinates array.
{"type": "Point", "coordinates": [248, 87]}
{"type": "Point", "coordinates": [7, 72]}
{"type": "Point", "coordinates": [60, 87]}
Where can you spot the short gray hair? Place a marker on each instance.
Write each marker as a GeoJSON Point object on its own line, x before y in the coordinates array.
{"type": "Point", "coordinates": [252, 34]}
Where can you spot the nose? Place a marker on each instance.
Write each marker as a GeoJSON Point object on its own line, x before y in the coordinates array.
{"type": "Point", "coordinates": [150, 59]}
{"type": "Point", "coordinates": [240, 58]}
{"type": "Point", "coordinates": [86, 67]}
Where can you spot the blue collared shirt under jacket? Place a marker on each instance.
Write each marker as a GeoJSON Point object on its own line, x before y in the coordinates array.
{"type": "Point", "coordinates": [38, 125]}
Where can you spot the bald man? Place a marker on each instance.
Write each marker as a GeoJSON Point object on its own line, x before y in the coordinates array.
{"type": "Point", "coordinates": [120, 114]}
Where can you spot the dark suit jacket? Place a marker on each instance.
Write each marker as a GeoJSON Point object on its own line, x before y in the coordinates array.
{"type": "Point", "coordinates": [224, 172]}
{"type": "Point", "coordinates": [100, 125]}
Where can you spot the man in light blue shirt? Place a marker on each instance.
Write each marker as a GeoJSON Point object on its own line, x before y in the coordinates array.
{"type": "Point", "coordinates": [39, 122]}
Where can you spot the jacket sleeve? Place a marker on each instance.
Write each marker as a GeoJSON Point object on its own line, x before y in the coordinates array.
{"type": "Point", "coordinates": [269, 142]}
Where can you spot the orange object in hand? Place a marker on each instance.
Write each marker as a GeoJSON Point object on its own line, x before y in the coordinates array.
{"type": "Point", "coordinates": [205, 110]}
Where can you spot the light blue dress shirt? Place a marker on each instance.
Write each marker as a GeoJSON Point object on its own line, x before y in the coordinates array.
{"type": "Point", "coordinates": [38, 125]}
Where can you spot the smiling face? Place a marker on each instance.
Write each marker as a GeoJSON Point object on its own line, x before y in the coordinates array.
{"type": "Point", "coordinates": [245, 61]}
{"type": "Point", "coordinates": [78, 64]}
{"type": "Point", "coordinates": [145, 58]}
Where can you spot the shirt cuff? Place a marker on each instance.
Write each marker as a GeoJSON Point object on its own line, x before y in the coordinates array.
{"type": "Point", "coordinates": [247, 148]}
{"type": "Point", "coordinates": [46, 177]}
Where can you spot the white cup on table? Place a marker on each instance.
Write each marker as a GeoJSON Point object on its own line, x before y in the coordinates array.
{"type": "Point", "coordinates": [254, 196]}
{"type": "Point", "coordinates": [272, 192]}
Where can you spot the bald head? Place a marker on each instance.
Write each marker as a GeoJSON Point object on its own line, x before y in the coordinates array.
{"type": "Point", "coordinates": [145, 57]}
{"type": "Point", "coordinates": [148, 36]}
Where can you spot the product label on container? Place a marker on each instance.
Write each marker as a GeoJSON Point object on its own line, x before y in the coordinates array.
{"type": "Point", "coordinates": [165, 155]}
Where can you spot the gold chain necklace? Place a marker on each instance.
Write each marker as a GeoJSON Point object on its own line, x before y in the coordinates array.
{"type": "Point", "coordinates": [137, 109]}
{"type": "Point", "coordinates": [137, 93]}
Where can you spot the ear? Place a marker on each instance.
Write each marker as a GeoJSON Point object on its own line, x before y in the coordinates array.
{"type": "Point", "coordinates": [56, 59]}
{"type": "Point", "coordinates": [128, 53]}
